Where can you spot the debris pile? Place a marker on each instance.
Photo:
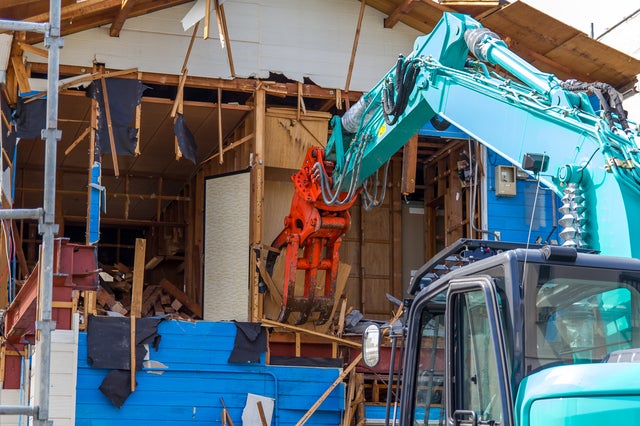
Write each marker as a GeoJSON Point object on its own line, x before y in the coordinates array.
{"type": "Point", "coordinates": [114, 296]}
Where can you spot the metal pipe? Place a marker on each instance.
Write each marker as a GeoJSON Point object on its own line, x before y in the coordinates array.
{"type": "Point", "coordinates": [18, 410]}
{"type": "Point", "coordinates": [48, 228]}
{"type": "Point", "coordinates": [21, 213]}
{"type": "Point", "coordinates": [31, 27]}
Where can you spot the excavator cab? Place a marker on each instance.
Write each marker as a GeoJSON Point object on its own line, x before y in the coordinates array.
{"type": "Point", "coordinates": [485, 342]}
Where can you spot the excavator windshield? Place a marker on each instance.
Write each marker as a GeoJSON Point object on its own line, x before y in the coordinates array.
{"type": "Point", "coordinates": [578, 314]}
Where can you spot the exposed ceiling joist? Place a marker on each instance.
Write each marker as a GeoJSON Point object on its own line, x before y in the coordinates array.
{"type": "Point", "coordinates": [121, 17]}
{"type": "Point", "coordinates": [402, 9]}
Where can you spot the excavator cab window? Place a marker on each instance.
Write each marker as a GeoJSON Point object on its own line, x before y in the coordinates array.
{"type": "Point", "coordinates": [430, 396]}
{"type": "Point", "coordinates": [579, 315]}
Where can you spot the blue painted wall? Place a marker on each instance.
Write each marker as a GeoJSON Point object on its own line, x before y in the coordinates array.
{"type": "Point", "coordinates": [512, 215]}
{"type": "Point", "coordinates": [197, 375]}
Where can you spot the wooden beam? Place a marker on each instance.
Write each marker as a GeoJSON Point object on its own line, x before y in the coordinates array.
{"type": "Point", "coordinates": [121, 17]}
{"type": "Point", "coordinates": [331, 338]}
{"type": "Point", "coordinates": [363, 4]}
{"type": "Point", "coordinates": [243, 85]}
{"type": "Point", "coordinates": [21, 74]}
{"type": "Point", "coordinates": [77, 141]}
{"type": "Point", "coordinates": [112, 142]}
{"type": "Point", "coordinates": [232, 146]}
{"type": "Point", "coordinates": [402, 9]}
{"type": "Point", "coordinates": [409, 162]}
{"type": "Point", "coordinates": [330, 389]}
{"type": "Point", "coordinates": [207, 19]}
{"type": "Point", "coordinates": [33, 49]}
{"type": "Point", "coordinates": [227, 41]}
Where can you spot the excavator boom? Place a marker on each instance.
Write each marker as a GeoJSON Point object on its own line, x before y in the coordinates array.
{"type": "Point", "coordinates": [588, 155]}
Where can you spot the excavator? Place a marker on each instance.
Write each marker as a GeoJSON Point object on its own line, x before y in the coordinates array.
{"type": "Point", "coordinates": [495, 333]}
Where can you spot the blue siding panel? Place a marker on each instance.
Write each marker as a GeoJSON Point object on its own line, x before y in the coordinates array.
{"type": "Point", "coordinates": [197, 375]}
{"type": "Point", "coordinates": [511, 216]}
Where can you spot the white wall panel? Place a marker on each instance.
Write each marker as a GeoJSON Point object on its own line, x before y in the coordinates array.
{"type": "Point", "coordinates": [298, 38]}
{"type": "Point", "coordinates": [226, 248]}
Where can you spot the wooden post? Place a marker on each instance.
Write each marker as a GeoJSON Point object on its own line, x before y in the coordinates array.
{"type": "Point", "coordinates": [263, 418]}
{"type": "Point", "coordinates": [107, 112]}
{"type": "Point", "coordinates": [136, 301]}
{"type": "Point", "coordinates": [93, 125]}
{"type": "Point", "coordinates": [220, 147]}
{"type": "Point", "coordinates": [409, 162]}
{"type": "Point", "coordinates": [257, 193]}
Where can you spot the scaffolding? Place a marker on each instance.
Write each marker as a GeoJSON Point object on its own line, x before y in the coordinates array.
{"type": "Point", "coordinates": [45, 215]}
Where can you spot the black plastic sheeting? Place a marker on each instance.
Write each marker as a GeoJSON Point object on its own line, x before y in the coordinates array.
{"type": "Point", "coordinates": [30, 118]}
{"type": "Point", "coordinates": [251, 341]}
{"type": "Point", "coordinates": [124, 96]}
{"type": "Point", "coordinates": [303, 361]}
{"type": "Point", "coordinates": [108, 346]}
{"type": "Point", "coordinates": [8, 135]}
{"type": "Point", "coordinates": [186, 141]}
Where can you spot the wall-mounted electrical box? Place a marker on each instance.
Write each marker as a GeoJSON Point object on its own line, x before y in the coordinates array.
{"type": "Point", "coordinates": [505, 181]}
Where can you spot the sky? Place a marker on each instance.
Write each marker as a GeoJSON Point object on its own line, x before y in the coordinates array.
{"type": "Point", "coordinates": [581, 14]}
{"type": "Point", "coordinates": [603, 14]}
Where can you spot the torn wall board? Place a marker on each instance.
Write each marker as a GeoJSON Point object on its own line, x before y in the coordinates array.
{"type": "Point", "coordinates": [124, 96]}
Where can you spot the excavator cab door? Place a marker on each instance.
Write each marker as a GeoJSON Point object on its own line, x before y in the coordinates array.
{"type": "Point", "coordinates": [477, 373]}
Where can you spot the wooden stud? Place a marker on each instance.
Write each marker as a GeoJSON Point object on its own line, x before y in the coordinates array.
{"type": "Point", "coordinates": [224, 408]}
{"type": "Point", "coordinates": [138, 123]}
{"type": "Point", "coordinates": [298, 344]}
{"type": "Point", "coordinates": [409, 162]}
{"type": "Point", "coordinates": [324, 396]}
{"type": "Point", "coordinates": [3, 354]}
{"type": "Point", "coordinates": [232, 146]}
{"type": "Point", "coordinates": [348, 415]}
{"type": "Point", "coordinates": [355, 45]}
{"type": "Point", "coordinates": [263, 418]}
{"type": "Point", "coordinates": [132, 351]}
{"type": "Point", "coordinates": [179, 94]}
{"type": "Point", "coordinates": [257, 193]}
{"type": "Point", "coordinates": [221, 34]}
{"type": "Point", "coordinates": [207, 19]}
{"type": "Point", "coordinates": [220, 141]}
{"type": "Point", "coordinates": [341, 318]}
{"type": "Point", "coordinates": [138, 277]}
{"type": "Point", "coordinates": [79, 139]}
{"type": "Point", "coordinates": [159, 205]}
{"type": "Point", "coordinates": [21, 74]}
{"type": "Point", "coordinates": [227, 42]}
{"type": "Point", "coordinates": [112, 142]}
{"type": "Point", "coordinates": [136, 301]}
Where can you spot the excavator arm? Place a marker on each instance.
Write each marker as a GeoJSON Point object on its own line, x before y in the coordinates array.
{"type": "Point", "coordinates": [587, 155]}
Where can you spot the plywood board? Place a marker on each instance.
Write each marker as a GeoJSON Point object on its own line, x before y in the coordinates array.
{"type": "Point", "coordinates": [289, 138]}
{"type": "Point", "coordinates": [226, 247]}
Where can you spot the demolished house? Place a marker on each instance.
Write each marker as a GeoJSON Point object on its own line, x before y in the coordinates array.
{"type": "Point", "coordinates": [181, 123]}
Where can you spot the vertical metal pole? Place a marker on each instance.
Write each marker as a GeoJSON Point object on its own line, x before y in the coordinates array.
{"type": "Point", "coordinates": [48, 228]}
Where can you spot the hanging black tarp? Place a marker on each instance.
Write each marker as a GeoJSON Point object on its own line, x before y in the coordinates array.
{"type": "Point", "coordinates": [30, 118]}
{"type": "Point", "coordinates": [251, 341]}
{"type": "Point", "coordinates": [8, 134]}
{"type": "Point", "coordinates": [108, 346]}
{"type": "Point", "coordinates": [124, 96]}
{"type": "Point", "coordinates": [186, 141]}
